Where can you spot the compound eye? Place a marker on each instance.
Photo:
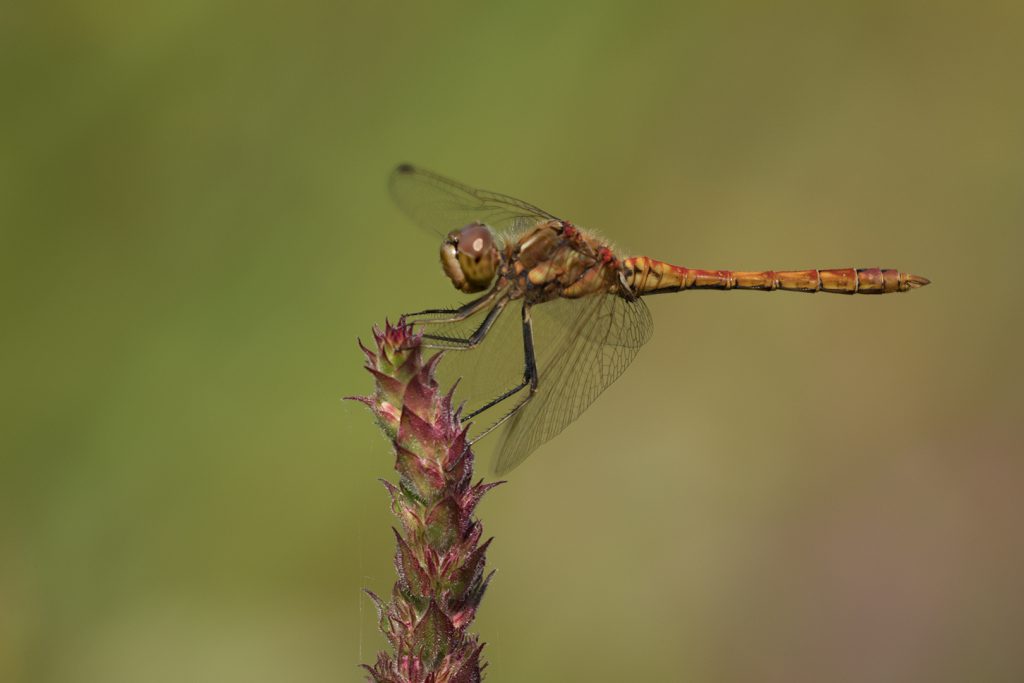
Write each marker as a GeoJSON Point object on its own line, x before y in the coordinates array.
{"type": "Point", "coordinates": [475, 240]}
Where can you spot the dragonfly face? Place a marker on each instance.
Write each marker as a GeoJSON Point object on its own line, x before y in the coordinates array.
{"type": "Point", "coordinates": [470, 257]}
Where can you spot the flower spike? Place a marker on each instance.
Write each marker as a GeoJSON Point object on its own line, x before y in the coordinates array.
{"type": "Point", "coordinates": [439, 558]}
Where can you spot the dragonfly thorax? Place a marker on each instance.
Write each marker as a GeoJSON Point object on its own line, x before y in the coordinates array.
{"type": "Point", "coordinates": [470, 257]}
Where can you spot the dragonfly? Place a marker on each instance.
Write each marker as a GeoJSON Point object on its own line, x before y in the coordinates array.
{"type": "Point", "coordinates": [575, 304]}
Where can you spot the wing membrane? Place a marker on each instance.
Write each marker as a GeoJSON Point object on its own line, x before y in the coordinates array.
{"type": "Point", "coordinates": [591, 343]}
{"type": "Point", "coordinates": [489, 370]}
{"type": "Point", "coordinates": [441, 205]}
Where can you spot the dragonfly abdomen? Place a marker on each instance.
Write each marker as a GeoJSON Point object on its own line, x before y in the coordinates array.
{"type": "Point", "coordinates": [649, 276]}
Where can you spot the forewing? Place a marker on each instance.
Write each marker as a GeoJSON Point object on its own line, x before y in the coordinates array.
{"type": "Point", "coordinates": [441, 205]}
{"type": "Point", "coordinates": [582, 345]}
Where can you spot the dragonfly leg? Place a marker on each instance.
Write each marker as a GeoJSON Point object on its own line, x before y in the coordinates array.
{"type": "Point", "coordinates": [463, 343]}
{"type": "Point", "coordinates": [454, 315]}
{"type": "Point", "coordinates": [529, 380]}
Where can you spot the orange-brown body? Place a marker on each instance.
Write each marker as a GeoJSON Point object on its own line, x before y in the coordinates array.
{"type": "Point", "coordinates": [556, 259]}
{"type": "Point", "coordinates": [648, 276]}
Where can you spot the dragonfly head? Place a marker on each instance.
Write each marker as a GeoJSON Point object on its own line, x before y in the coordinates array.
{"type": "Point", "coordinates": [470, 257]}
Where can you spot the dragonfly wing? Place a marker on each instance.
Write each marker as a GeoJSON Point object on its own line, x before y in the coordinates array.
{"type": "Point", "coordinates": [582, 346]}
{"type": "Point", "coordinates": [488, 370]}
{"type": "Point", "coordinates": [441, 205]}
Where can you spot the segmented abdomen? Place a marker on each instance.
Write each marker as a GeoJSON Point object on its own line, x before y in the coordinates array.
{"type": "Point", "coordinates": [649, 276]}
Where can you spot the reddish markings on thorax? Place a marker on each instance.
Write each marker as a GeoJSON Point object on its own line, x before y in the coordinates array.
{"type": "Point", "coordinates": [606, 256]}
{"type": "Point", "coordinates": [557, 259]}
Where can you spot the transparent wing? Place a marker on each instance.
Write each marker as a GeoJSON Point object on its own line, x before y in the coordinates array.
{"type": "Point", "coordinates": [487, 371]}
{"type": "Point", "coordinates": [582, 346]}
{"type": "Point", "coordinates": [441, 205]}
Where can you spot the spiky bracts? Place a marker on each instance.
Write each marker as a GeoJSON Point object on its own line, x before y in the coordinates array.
{"type": "Point", "coordinates": [439, 559]}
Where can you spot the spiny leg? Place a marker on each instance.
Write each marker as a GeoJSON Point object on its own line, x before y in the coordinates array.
{"type": "Point", "coordinates": [529, 380]}
{"type": "Point", "coordinates": [464, 343]}
{"type": "Point", "coordinates": [453, 315]}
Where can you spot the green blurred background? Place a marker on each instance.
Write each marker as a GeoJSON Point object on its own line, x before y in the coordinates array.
{"type": "Point", "coordinates": [195, 229]}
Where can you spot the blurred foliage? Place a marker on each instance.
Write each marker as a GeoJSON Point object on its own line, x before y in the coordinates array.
{"type": "Point", "coordinates": [194, 229]}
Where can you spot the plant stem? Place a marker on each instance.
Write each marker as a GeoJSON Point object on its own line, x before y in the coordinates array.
{"type": "Point", "coordinates": [439, 556]}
